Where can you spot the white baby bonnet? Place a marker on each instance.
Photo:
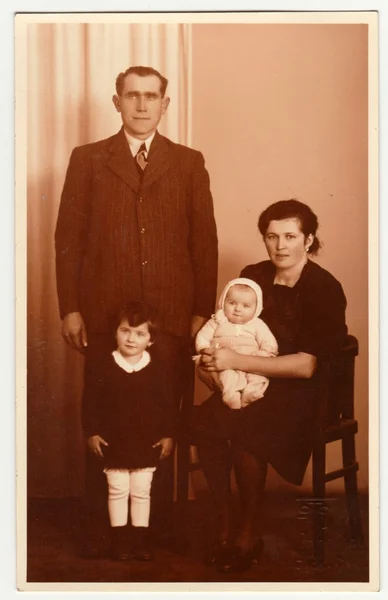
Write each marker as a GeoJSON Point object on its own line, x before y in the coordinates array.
{"type": "Point", "coordinates": [242, 281]}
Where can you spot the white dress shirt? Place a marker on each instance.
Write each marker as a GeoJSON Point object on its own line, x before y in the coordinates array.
{"type": "Point", "coordinates": [134, 143]}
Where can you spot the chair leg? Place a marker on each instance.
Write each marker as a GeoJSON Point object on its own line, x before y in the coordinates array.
{"type": "Point", "coordinates": [352, 501]}
{"type": "Point", "coordinates": [319, 506]}
{"type": "Point", "coordinates": [182, 494]}
{"type": "Point", "coordinates": [183, 462]}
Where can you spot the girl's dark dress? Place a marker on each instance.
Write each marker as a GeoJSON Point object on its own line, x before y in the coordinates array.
{"type": "Point", "coordinates": [309, 317]}
{"type": "Point", "coordinates": [131, 411]}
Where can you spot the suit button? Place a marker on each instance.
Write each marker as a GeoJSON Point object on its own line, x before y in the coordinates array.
{"type": "Point", "coordinates": [144, 263]}
{"type": "Point", "coordinates": [142, 230]}
{"type": "Point", "coordinates": [141, 199]}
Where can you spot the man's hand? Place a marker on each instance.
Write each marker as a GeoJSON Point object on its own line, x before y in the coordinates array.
{"type": "Point", "coordinates": [74, 331]}
{"type": "Point", "coordinates": [196, 323]}
{"type": "Point", "coordinates": [166, 444]}
{"type": "Point", "coordinates": [94, 444]}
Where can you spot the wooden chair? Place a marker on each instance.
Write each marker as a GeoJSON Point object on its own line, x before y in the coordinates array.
{"type": "Point", "coordinates": [183, 462]}
{"type": "Point", "coordinates": [335, 421]}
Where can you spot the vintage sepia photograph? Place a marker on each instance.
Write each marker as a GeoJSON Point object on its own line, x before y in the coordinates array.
{"type": "Point", "coordinates": [197, 279]}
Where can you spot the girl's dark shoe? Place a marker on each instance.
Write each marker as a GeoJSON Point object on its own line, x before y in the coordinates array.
{"type": "Point", "coordinates": [120, 550]}
{"type": "Point", "coordinates": [141, 545]}
{"type": "Point", "coordinates": [239, 560]}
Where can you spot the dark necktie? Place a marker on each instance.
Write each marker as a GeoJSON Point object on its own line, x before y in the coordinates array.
{"type": "Point", "coordinates": [141, 159]}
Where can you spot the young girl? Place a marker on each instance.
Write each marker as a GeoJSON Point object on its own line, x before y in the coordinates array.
{"type": "Point", "coordinates": [129, 426]}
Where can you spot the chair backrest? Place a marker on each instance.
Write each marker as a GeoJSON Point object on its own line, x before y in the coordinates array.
{"type": "Point", "coordinates": [337, 385]}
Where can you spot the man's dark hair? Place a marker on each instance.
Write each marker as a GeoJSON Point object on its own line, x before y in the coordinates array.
{"type": "Point", "coordinates": [142, 72]}
{"type": "Point", "coordinates": [137, 313]}
{"type": "Point", "coordinates": [292, 209]}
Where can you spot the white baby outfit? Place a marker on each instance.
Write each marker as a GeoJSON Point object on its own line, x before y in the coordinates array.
{"type": "Point", "coordinates": [254, 337]}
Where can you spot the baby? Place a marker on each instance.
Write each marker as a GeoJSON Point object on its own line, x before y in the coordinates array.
{"type": "Point", "coordinates": [235, 325]}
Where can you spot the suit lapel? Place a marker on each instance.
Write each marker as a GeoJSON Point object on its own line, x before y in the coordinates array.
{"type": "Point", "coordinates": [159, 160]}
{"type": "Point", "coordinates": [122, 163]}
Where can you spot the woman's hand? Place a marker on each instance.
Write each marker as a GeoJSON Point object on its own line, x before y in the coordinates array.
{"type": "Point", "coordinates": [218, 359]}
{"type": "Point", "coordinates": [211, 380]}
{"type": "Point", "coordinates": [167, 445]}
{"type": "Point", "coordinates": [94, 444]}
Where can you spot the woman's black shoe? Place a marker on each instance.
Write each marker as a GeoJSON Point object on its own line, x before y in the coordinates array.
{"type": "Point", "coordinates": [217, 553]}
{"type": "Point", "coordinates": [238, 560]}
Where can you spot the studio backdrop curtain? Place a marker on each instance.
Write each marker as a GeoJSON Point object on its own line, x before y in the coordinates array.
{"type": "Point", "coordinates": [70, 84]}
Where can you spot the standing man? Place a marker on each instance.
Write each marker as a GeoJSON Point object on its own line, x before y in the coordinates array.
{"type": "Point", "coordinates": [135, 222]}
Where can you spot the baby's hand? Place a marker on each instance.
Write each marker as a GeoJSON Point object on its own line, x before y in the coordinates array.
{"type": "Point", "coordinates": [94, 444]}
{"type": "Point", "coordinates": [166, 444]}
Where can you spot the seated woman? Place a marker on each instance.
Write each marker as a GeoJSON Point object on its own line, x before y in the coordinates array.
{"type": "Point", "coordinates": [304, 307]}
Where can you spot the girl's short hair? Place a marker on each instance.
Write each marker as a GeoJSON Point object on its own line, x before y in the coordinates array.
{"type": "Point", "coordinates": [137, 313]}
{"type": "Point", "coordinates": [292, 209]}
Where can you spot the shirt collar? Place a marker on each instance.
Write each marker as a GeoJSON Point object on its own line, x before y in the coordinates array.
{"type": "Point", "coordinates": [134, 143]}
{"type": "Point", "coordinates": [121, 362]}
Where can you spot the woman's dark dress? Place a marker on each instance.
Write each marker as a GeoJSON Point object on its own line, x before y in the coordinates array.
{"type": "Point", "coordinates": [131, 411]}
{"type": "Point", "coordinates": [309, 317]}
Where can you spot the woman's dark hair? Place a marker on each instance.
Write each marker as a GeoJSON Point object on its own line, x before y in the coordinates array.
{"type": "Point", "coordinates": [292, 209]}
{"type": "Point", "coordinates": [137, 313]}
